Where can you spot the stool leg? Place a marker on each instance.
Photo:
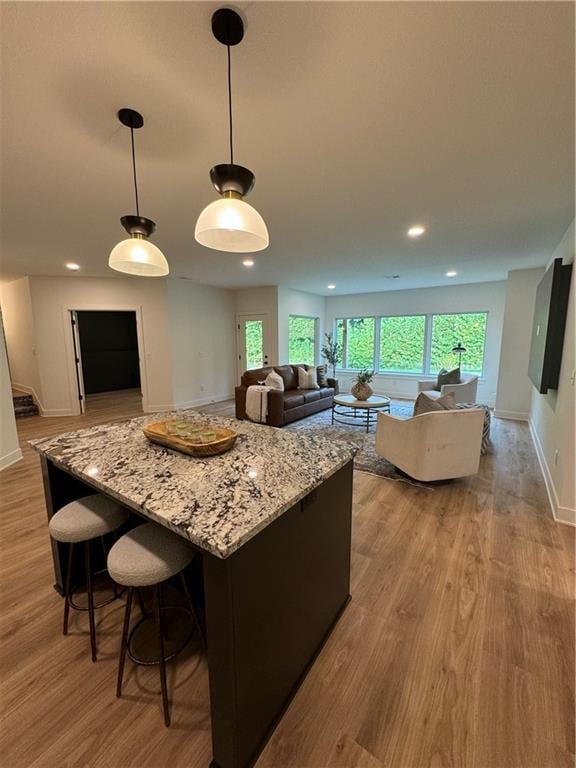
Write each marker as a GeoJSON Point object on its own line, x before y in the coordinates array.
{"type": "Point", "coordinates": [105, 551]}
{"type": "Point", "coordinates": [125, 630]}
{"type": "Point", "coordinates": [192, 609]}
{"type": "Point", "coordinates": [160, 630]}
{"type": "Point", "coordinates": [90, 601]}
{"type": "Point", "coordinates": [141, 602]}
{"type": "Point", "coordinates": [67, 589]}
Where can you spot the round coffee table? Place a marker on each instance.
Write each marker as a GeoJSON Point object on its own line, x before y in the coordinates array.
{"type": "Point", "coordinates": [362, 412]}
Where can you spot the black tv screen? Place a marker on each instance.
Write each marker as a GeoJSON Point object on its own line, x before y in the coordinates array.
{"type": "Point", "coordinates": [548, 327]}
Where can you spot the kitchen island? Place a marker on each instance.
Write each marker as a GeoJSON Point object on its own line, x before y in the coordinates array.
{"type": "Point", "coordinates": [272, 521]}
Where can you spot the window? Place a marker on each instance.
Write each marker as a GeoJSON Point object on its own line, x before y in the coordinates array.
{"type": "Point", "coordinates": [402, 344]}
{"type": "Point", "coordinates": [357, 338]}
{"type": "Point", "coordinates": [413, 344]}
{"type": "Point", "coordinates": [302, 339]}
{"type": "Point", "coordinates": [448, 330]}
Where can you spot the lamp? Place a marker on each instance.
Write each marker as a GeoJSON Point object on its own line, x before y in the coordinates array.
{"type": "Point", "coordinates": [230, 223]}
{"type": "Point", "coordinates": [458, 349]}
{"type": "Point", "coordinates": [136, 255]}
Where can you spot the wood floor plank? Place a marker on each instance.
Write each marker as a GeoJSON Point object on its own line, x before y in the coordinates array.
{"type": "Point", "coordinates": [457, 650]}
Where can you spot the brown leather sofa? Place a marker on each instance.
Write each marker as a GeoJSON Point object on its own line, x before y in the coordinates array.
{"type": "Point", "coordinates": [293, 403]}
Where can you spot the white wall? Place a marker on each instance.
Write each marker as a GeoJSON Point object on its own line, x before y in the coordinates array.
{"type": "Point", "coordinates": [9, 445]}
{"type": "Point", "coordinates": [476, 297]}
{"type": "Point", "coordinates": [552, 416]}
{"type": "Point", "coordinates": [53, 296]}
{"type": "Point", "coordinates": [20, 336]}
{"type": "Point", "coordinates": [514, 393]}
{"type": "Point", "coordinates": [203, 337]}
{"type": "Point", "coordinates": [264, 300]}
{"type": "Point", "coordinates": [292, 302]}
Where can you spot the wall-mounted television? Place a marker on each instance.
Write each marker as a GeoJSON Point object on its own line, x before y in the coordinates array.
{"type": "Point", "coordinates": [548, 327]}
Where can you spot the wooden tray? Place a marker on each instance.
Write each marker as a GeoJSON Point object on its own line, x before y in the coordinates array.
{"type": "Point", "coordinates": [223, 441]}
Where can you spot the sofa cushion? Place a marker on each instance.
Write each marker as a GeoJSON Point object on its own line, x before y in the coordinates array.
{"type": "Point", "coordinates": [275, 381]}
{"type": "Point", "coordinates": [321, 375]}
{"type": "Point", "coordinates": [287, 373]}
{"type": "Point", "coordinates": [310, 395]}
{"type": "Point", "coordinates": [448, 377]}
{"type": "Point", "coordinates": [249, 378]}
{"type": "Point", "coordinates": [293, 399]}
{"type": "Point", "coordinates": [326, 391]}
{"type": "Point", "coordinates": [307, 378]}
{"type": "Point", "coordinates": [425, 404]}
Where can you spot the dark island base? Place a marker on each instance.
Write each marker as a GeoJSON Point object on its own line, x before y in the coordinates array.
{"type": "Point", "coordinates": [269, 609]}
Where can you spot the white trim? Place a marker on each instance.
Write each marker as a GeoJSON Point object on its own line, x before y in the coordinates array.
{"type": "Point", "coordinates": [59, 412]}
{"type": "Point", "coordinates": [513, 415]}
{"type": "Point", "coordinates": [189, 403]}
{"type": "Point", "coordinates": [10, 458]}
{"type": "Point", "coordinates": [204, 401]}
{"type": "Point", "coordinates": [560, 514]}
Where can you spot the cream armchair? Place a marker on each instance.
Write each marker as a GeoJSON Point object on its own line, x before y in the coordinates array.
{"type": "Point", "coordinates": [433, 446]}
{"type": "Point", "coordinates": [465, 392]}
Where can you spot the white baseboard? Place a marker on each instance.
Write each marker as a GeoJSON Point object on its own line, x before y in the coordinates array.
{"type": "Point", "coordinates": [204, 401]}
{"type": "Point", "coordinates": [57, 412]}
{"type": "Point", "coordinates": [151, 408]}
{"type": "Point", "coordinates": [10, 458]}
{"type": "Point", "coordinates": [513, 415]}
{"type": "Point", "coordinates": [560, 514]}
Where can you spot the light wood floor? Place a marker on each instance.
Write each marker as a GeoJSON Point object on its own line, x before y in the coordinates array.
{"type": "Point", "coordinates": [456, 650]}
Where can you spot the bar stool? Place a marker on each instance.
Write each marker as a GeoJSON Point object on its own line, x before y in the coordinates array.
{"type": "Point", "coordinates": [147, 556]}
{"type": "Point", "coordinates": [82, 521]}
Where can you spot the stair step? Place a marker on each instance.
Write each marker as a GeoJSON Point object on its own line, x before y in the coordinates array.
{"type": "Point", "coordinates": [24, 405]}
{"type": "Point", "coordinates": [23, 400]}
{"type": "Point", "coordinates": [29, 410]}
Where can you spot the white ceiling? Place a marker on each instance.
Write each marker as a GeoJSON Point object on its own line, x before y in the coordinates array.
{"type": "Point", "coordinates": [358, 119]}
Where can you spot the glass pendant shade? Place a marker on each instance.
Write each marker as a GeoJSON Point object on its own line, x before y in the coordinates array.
{"type": "Point", "coordinates": [137, 256]}
{"type": "Point", "coordinates": [231, 224]}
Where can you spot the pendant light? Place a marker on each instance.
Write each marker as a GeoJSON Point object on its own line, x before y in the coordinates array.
{"type": "Point", "coordinates": [136, 255]}
{"type": "Point", "coordinates": [231, 224]}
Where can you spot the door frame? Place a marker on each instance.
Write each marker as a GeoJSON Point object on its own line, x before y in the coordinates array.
{"type": "Point", "coordinates": [266, 338]}
{"type": "Point", "coordinates": [73, 389]}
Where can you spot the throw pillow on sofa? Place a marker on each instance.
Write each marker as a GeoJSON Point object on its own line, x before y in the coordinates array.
{"type": "Point", "coordinates": [425, 404]}
{"type": "Point", "coordinates": [274, 381]}
{"type": "Point", "coordinates": [321, 376]}
{"type": "Point", "coordinates": [447, 377]}
{"type": "Point", "coordinates": [307, 379]}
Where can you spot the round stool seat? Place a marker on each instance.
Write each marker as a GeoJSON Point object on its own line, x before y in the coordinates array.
{"type": "Point", "coordinates": [148, 555]}
{"type": "Point", "coordinates": [87, 518]}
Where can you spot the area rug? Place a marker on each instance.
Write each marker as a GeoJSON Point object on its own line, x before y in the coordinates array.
{"type": "Point", "coordinates": [366, 460]}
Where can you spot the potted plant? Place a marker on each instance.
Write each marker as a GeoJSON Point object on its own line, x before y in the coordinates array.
{"type": "Point", "coordinates": [361, 389]}
{"type": "Point", "coordinates": [332, 352]}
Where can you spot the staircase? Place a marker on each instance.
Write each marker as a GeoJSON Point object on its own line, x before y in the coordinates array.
{"type": "Point", "coordinates": [24, 405]}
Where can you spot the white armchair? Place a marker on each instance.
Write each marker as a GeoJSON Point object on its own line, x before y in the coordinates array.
{"type": "Point", "coordinates": [433, 446]}
{"type": "Point", "coordinates": [465, 392]}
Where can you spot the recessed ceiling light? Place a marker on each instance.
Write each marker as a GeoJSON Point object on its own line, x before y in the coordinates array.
{"type": "Point", "coordinates": [416, 231]}
{"type": "Point", "coordinates": [451, 273]}
{"type": "Point", "coordinates": [73, 266]}
{"type": "Point", "coordinates": [331, 286]}
{"type": "Point", "coordinates": [248, 262]}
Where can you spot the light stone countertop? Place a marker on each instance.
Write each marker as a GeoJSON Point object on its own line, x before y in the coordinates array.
{"type": "Point", "coordinates": [218, 503]}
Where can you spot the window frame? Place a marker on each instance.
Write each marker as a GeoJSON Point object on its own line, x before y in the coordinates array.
{"type": "Point", "coordinates": [316, 337]}
{"type": "Point", "coordinates": [427, 357]}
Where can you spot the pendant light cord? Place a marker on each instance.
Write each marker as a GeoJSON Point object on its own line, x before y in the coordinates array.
{"type": "Point", "coordinates": [134, 172]}
{"type": "Point", "coordinates": [230, 105]}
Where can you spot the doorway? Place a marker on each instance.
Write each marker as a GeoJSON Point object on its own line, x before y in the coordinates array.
{"type": "Point", "coordinates": [106, 357]}
{"type": "Point", "coordinates": [253, 342]}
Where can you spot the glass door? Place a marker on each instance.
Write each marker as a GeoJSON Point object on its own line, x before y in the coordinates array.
{"type": "Point", "coordinates": [252, 342]}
